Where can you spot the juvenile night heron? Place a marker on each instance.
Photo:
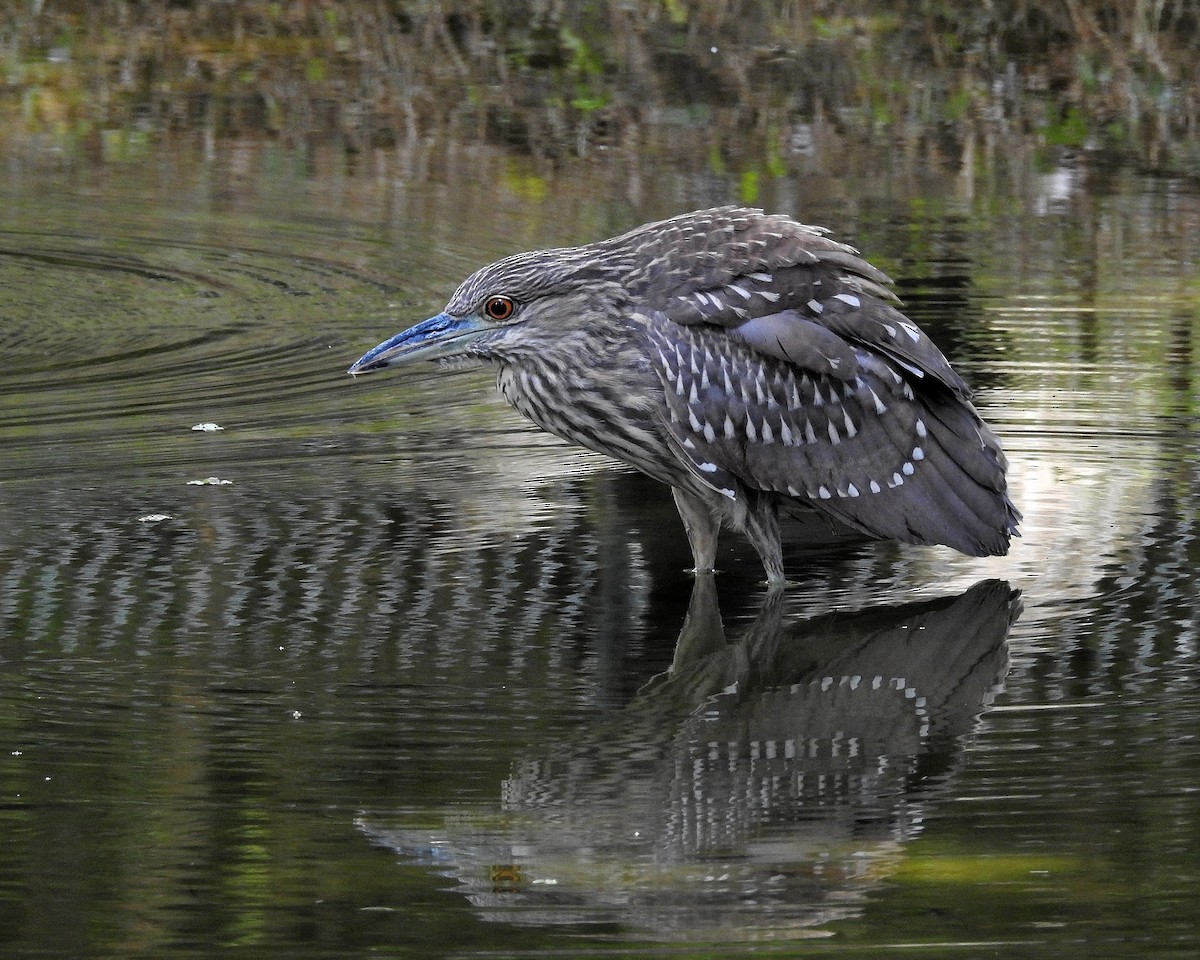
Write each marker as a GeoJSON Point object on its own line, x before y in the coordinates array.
{"type": "Point", "coordinates": [748, 361]}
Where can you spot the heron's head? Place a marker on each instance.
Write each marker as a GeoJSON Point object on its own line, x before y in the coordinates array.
{"type": "Point", "coordinates": [523, 303]}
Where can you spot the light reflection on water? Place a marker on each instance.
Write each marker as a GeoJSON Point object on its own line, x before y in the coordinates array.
{"type": "Point", "coordinates": [409, 666]}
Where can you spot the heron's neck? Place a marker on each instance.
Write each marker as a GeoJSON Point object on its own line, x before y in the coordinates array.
{"type": "Point", "coordinates": [587, 390]}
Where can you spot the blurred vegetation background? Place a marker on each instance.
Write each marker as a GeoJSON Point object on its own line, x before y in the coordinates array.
{"type": "Point", "coordinates": [732, 84]}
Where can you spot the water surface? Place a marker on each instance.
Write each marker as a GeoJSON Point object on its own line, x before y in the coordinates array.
{"type": "Point", "coordinates": [378, 668]}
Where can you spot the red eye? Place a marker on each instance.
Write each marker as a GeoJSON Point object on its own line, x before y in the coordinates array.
{"type": "Point", "coordinates": [499, 308]}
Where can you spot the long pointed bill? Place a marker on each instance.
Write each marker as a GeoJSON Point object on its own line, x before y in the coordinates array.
{"type": "Point", "coordinates": [440, 336]}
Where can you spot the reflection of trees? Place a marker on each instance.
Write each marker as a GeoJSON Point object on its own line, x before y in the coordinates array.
{"type": "Point", "coordinates": [746, 79]}
{"type": "Point", "coordinates": [765, 782]}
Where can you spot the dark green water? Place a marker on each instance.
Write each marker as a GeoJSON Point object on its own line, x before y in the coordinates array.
{"type": "Point", "coordinates": [400, 687]}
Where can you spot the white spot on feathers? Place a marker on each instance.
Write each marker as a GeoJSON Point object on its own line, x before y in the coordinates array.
{"type": "Point", "coordinates": [759, 393]}
{"type": "Point", "coordinates": [851, 430]}
{"type": "Point", "coordinates": [666, 366]}
{"type": "Point", "coordinates": [816, 306]}
{"type": "Point", "coordinates": [848, 298]}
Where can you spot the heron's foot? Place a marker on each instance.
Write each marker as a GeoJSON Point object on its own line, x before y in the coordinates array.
{"type": "Point", "coordinates": [775, 578]}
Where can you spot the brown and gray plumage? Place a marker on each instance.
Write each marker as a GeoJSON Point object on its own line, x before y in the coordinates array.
{"type": "Point", "coordinates": [748, 361]}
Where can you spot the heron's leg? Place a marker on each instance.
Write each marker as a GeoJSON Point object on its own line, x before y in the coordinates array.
{"type": "Point", "coordinates": [702, 529]}
{"type": "Point", "coordinates": [762, 530]}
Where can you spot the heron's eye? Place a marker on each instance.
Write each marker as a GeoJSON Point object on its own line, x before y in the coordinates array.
{"type": "Point", "coordinates": [499, 308]}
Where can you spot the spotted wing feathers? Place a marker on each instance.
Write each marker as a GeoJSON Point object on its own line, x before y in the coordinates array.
{"type": "Point", "coordinates": [768, 278]}
{"type": "Point", "coordinates": [889, 458]}
{"type": "Point", "coordinates": [786, 367]}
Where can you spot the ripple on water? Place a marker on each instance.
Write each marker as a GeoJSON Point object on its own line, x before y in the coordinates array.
{"type": "Point", "coordinates": [111, 348]}
{"type": "Point", "coordinates": [408, 610]}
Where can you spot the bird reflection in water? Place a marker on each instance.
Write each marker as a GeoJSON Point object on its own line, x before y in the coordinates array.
{"type": "Point", "coordinates": [761, 786]}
